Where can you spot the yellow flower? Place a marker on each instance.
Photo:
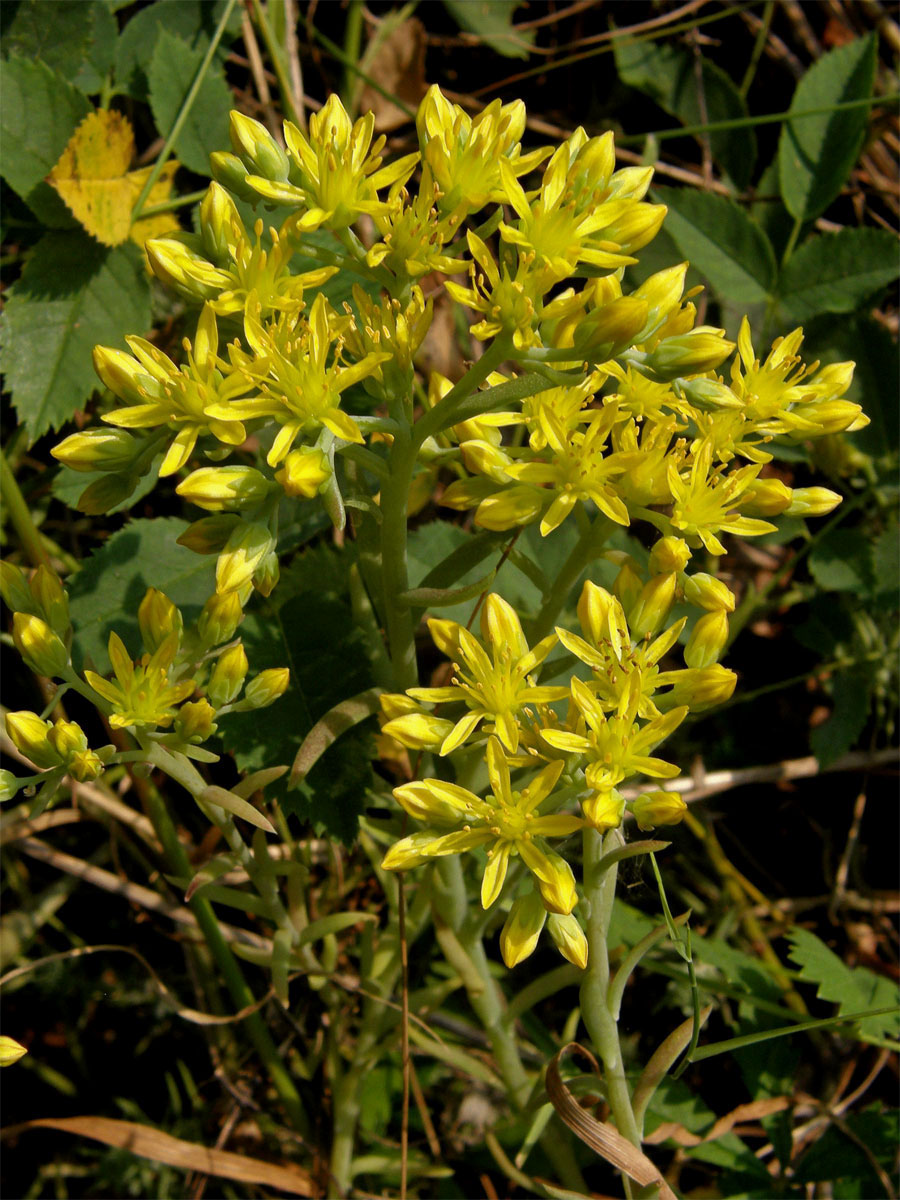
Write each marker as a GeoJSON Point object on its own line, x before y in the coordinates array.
{"type": "Point", "coordinates": [506, 821]}
{"type": "Point", "coordinates": [464, 153]}
{"type": "Point", "coordinates": [615, 746]}
{"type": "Point", "coordinates": [509, 305]}
{"type": "Point", "coordinates": [336, 173]}
{"type": "Point", "coordinates": [143, 693]}
{"type": "Point", "coordinates": [581, 213]}
{"type": "Point", "coordinates": [413, 233]}
{"type": "Point", "coordinates": [180, 397]}
{"type": "Point", "coordinates": [579, 468]}
{"type": "Point", "coordinates": [498, 688]}
{"type": "Point", "coordinates": [707, 503]}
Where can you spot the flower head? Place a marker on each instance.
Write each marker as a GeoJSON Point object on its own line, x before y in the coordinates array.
{"type": "Point", "coordinates": [143, 693]}
{"type": "Point", "coordinates": [507, 822]}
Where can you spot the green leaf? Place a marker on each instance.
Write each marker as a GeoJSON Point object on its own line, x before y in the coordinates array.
{"type": "Point", "coordinates": [491, 20]}
{"type": "Point", "coordinates": [886, 564]}
{"type": "Point", "coordinates": [853, 989]}
{"type": "Point", "coordinates": [851, 692]}
{"type": "Point", "coordinates": [841, 562]}
{"type": "Point", "coordinates": [105, 594]}
{"type": "Point", "coordinates": [313, 635]}
{"type": "Point", "coordinates": [171, 73]}
{"type": "Point", "coordinates": [331, 925]}
{"type": "Point", "coordinates": [668, 75]}
{"type": "Point", "coordinates": [327, 730]}
{"type": "Point", "coordinates": [721, 242]}
{"type": "Point", "coordinates": [430, 597]}
{"type": "Point", "coordinates": [73, 294]}
{"type": "Point", "coordinates": [837, 272]}
{"type": "Point", "coordinates": [194, 21]}
{"type": "Point", "coordinates": [39, 113]}
{"type": "Point", "coordinates": [61, 41]}
{"type": "Point", "coordinates": [817, 153]}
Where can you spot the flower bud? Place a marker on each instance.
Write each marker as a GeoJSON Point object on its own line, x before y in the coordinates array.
{"type": "Point", "coordinates": [594, 605]}
{"type": "Point", "coordinates": [604, 809]}
{"type": "Point", "coordinates": [303, 473]}
{"type": "Point", "coordinates": [705, 591]}
{"type": "Point", "coordinates": [70, 742]}
{"type": "Point", "coordinates": [9, 785]}
{"type": "Point", "coordinates": [418, 730]}
{"type": "Point", "coordinates": [556, 884]}
{"type": "Point", "coordinates": [627, 585]}
{"type": "Point", "coordinates": [243, 554]}
{"type": "Point", "coordinates": [256, 148]}
{"type": "Point", "coordinates": [195, 721]}
{"type": "Point", "coordinates": [98, 450]}
{"type": "Point", "coordinates": [42, 651]}
{"type": "Point", "coordinates": [220, 488]}
{"type": "Point", "coordinates": [10, 1051]}
{"type": "Point", "coordinates": [692, 353]}
{"type": "Point", "coordinates": [175, 265]}
{"type": "Point", "coordinates": [638, 225]}
{"type": "Point", "coordinates": [662, 292]}
{"type": "Point", "coordinates": [606, 331]}
{"type": "Point", "coordinates": [221, 615]}
{"type": "Point", "coordinates": [51, 599]}
{"type": "Point", "coordinates": [395, 704]}
{"type": "Point", "coordinates": [658, 808]}
{"type": "Point", "coordinates": [569, 939]}
{"type": "Point", "coordinates": [209, 535]}
{"type": "Point", "coordinates": [701, 688]}
{"type": "Point", "coordinates": [519, 935]}
{"type": "Point", "coordinates": [709, 393]}
{"type": "Point", "coordinates": [831, 416]}
{"type": "Point", "coordinates": [228, 676]}
{"type": "Point", "coordinates": [707, 640]}
{"type": "Point", "coordinates": [765, 498]}
{"type": "Point", "coordinates": [125, 376]}
{"type": "Point", "coordinates": [267, 574]}
{"type": "Point", "coordinates": [219, 222]}
{"type": "Point", "coordinates": [29, 735]}
{"type": "Point", "coordinates": [653, 605]}
{"type": "Point", "coordinates": [158, 618]}
{"type": "Point", "coordinates": [669, 554]}
{"type": "Point", "coordinates": [228, 170]}
{"type": "Point", "coordinates": [265, 688]}
{"type": "Point", "coordinates": [15, 590]}
{"type": "Point", "coordinates": [813, 502]}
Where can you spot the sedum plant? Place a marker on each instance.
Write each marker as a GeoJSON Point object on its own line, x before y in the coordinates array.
{"type": "Point", "coordinates": [588, 409]}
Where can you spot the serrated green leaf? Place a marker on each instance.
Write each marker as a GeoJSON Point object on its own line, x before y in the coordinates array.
{"type": "Point", "coordinates": [853, 989]}
{"type": "Point", "coordinates": [106, 592]}
{"type": "Point", "coordinates": [194, 21]}
{"type": "Point", "coordinates": [668, 75]}
{"type": "Point", "coordinates": [817, 153]}
{"type": "Point", "coordinates": [836, 272]}
{"type": "Point", "coordinates": [171, 73]}
{"type": "Point", "coordinates": [491, 21]}
{"type": "Point", "coordinates": [846, 1151]}
{"type": "Point", "coordinates": [721, 242]}
{"type": "Point", "coordinates": [102, 51]}
{"type": "Point", "coordinates": [61, 41]}
{"type": "Point", "coordinates": [39, 113]}
{"type": "Point", "coordinates": [851, 691]}
{"type": "Point", "coordinates": [72, 295]}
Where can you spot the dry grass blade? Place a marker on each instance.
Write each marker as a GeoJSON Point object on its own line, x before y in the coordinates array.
{"type": "Point", "coordinates": [754, 1111]}
{"type": "Point", "coordinates": [603, 1138]}
{"type": "Point", "coordinates": [161, 1147]}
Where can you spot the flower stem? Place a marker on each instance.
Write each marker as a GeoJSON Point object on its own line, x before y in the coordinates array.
{"type": "Point", "coordinates": [600, 892]}
{"type": "Point", "coordinates": [241, 994]}
{"type": "Point", "coordinates": [14, 503]}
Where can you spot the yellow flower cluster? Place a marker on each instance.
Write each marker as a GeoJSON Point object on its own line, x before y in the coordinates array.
{"type": "Point", "coordinates": [152, 694]}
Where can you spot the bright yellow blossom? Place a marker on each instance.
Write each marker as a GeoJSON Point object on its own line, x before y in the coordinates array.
{"type": "Point", "coordinates": [143, 694]}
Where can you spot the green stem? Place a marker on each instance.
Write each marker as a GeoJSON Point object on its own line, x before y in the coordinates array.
{"type": "Point", "coordinates": [600, 892]}
{"type": "Point", "coordinates": [444, 413]}
{"type": "Point", "coordinates": [276, 56]}
{"type": "Point", "coordinates": [585, 550]}
{"type": "Point", "coordinates": [394, 573]}
{"type": "Point", "coordinates": [20, 516]}
{"type": "Point", "coordinates": [186, 107]}
{"type": "Point", "coordinates": [352, 50]}
{"type": "Point", "coordinates": [257, 1030]}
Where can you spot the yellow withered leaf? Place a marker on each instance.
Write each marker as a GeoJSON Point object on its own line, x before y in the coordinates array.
{"type": "Point", "coordinates": [93, 179]}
